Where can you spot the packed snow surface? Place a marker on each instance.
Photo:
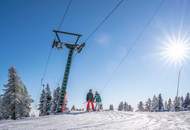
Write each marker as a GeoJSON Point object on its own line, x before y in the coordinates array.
{"type": "Point", "coordinates": [106, 120]}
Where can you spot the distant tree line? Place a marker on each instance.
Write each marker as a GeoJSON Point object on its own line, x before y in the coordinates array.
{"type": "Point", "coordinates": [157, 104]}
{"type": "Point", "coordinates": [15, 102]}
{"type": "Point", "coordinates": [123, 106]}
{"type": "Point", "coordinates": [73, 108]}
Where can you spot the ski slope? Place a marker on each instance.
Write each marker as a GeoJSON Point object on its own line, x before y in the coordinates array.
{"type": "Point", "coordinates": [106, 120]}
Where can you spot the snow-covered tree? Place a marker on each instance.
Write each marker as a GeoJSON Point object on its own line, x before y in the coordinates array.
{"type": "Point", "coordinates": [186, 103]}
{"type": "Point", "coordinates": [25, 108]}
{"type": "Point", "coordinates": [140, 106]}
{"type": "Point", "coordinates": [16, 101]}
{"type": "Point", "coordinates": [148, 105]}
{"type": "Point", "coordinates": [130, 108]}
{"type": "Point", "coordinates": [55, 100]}
{"type": "Point", "coordinates": [160, 103]}
{"type": "Point", "coordinates": [48, 99]}
{"type": "Point", "coordinates": [1, 108]}
{"type": "Point", "coordinates": [166, 105]}
{"type": "Point", "coordinates": [111, 108]}
{"type": "Point", "coordinates": [154, 103]}
{"type": "Point", "coordinates": [125, 106]}
{"type": "Point", "coordinates": [73, 108]}
{"type": "Point", "coordinates": [121, 106]}
{"type": "Point", "coordinates": [170, 105]}
{"type": "Point", "coordinates": [45, 101]}
{"type": "Point", "coordinates": [181, 103]}
{"type": "Point", "coordinates": [42, 103]}
{"type": "Point", "coordinates": [177, 103]}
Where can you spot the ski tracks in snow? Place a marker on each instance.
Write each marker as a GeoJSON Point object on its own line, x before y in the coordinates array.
{"type": "Point", "coordinates": [105, 120]}
{"type": "Point", "coordinates": [168, 121]}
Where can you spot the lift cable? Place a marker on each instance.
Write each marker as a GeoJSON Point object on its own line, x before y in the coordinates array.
{"type": "Point", "coordinates": [65, 14]}
{"type": "Point", "coordinates": [134, 43]}
{"type": "Point", "coordinates": [46, 66]}
{"type": "Point", "coordinates": [104, 20]}
{"type": "Point", "coordinates": [50, 52]}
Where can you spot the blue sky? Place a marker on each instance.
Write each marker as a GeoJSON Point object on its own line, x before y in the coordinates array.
{"type": "Point", "coordinates": [26, 36]}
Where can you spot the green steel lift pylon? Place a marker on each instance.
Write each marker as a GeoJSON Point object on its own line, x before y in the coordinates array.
{"type": "Point", "coordinates": [57, 43]}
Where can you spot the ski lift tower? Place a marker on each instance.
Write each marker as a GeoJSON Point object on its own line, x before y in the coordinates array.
{"type": "Point", "coordinates": [58, 43]}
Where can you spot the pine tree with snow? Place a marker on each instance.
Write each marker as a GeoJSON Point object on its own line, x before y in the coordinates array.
{"type": "Point", "coordinates": [121, 106]}
{"type": "Point", "coordinates": [48, 99]}
{"type": "Point", "coordinates": [154, 104]}
{"type": "Point", "coordinates": [25, 108]}
{"type": "Point", "coordinates": [160, 103]}
{"type": "Point", "coordinates": [141, 106]}
{"type": "Point", "coordinates": [55, 100]}
{"type": "Point", "coordinates": [130, 108]}
{"type": "Point", "coordinates": [45, 101]}
{"type": "Point", "coordinates": [1, 108]}
{"type": "Point", "coordinates": [186, 103]}
{"type": "Point", "coordinates": [125, 106]}
{"type": "Point", "coordinates": [148, 105]}
{"type": "Point", "coordinates": [177, 103]}
{"type": "Point", "coordinates": [169, 105]}
{"type": "Point", "coordinates": [73, 108]}
{"type": "Point", "coordinates": [16, 101]}
{"type": "Point", "coordinates": [181, 103]}
{"type": "Point", "coordinates": [3, 111]}
{"type": "Point", "coordinates": [166, 106]}
{"type": "Point", "coordinates": [42, 103]}
{"type": "Point", "coordinates": [111, 108]}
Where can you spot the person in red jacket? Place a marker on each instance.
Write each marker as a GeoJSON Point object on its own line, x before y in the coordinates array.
{"type": "Point", "coordinates": [90, 100]}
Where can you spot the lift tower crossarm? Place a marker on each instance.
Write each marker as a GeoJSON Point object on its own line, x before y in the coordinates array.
{"type": "Point", "coordinates": [67, 33]}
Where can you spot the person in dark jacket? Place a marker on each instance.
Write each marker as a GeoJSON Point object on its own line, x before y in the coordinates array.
{"type": "Point", "coordinates": [98, 101]}
{"type": "Point", "coordinates": [90, 100]}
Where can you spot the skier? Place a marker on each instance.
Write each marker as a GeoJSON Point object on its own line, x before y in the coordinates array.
{"type": "Point", "coordinates": [98, 101]}
{"type": "Point", "coordinates": [90, 100]}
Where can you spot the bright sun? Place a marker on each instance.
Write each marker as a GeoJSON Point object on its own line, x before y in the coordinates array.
{"type": "Point", "coordinates": [176, 50]}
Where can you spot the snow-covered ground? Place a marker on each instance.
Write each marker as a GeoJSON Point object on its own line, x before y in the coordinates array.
{"type": "Point", "coordinates": [106, 120]}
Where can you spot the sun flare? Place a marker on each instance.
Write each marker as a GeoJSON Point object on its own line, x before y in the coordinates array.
{"type": "Point", "coordinates": [176, 50]}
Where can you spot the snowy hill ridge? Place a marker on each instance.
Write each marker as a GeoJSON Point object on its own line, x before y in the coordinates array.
{"type": "Point", "coordinates": [106, 120]}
